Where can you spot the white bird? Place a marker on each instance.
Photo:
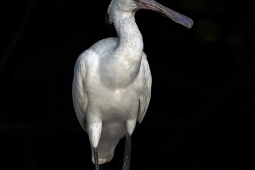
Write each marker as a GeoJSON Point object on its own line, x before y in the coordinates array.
{"type": "Point", "coordinates": [112, 81]}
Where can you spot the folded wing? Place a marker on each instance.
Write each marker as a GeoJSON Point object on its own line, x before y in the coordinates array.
{"type": "Point", "coordinates": [145, 96]}
{"type": "Point", "coordinates": [80, 100]}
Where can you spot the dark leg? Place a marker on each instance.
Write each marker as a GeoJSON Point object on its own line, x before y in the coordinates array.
{"type": "Point", "coordinates": [127, 153]}
{"type": "Point", "coordinates": [96, 159]}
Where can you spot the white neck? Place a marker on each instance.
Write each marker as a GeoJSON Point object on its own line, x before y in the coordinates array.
{"type": "Point", "coordinates": [131, 41]}
{"type": "Point", "coordinates": [126, 58]}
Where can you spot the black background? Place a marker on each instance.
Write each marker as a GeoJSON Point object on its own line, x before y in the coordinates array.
{"type": "Point", "coordinates": [200, 115]}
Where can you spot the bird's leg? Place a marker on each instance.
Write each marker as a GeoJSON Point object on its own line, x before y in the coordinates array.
{"type": "Point", "coordinates": [127, 152]}
{"type": "Point", "coordinates": [94, 131]}
{"type": "Point", "coordinates": [96, 159]}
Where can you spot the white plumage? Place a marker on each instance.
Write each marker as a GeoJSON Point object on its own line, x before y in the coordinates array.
{"type": "Point", "coordinates": [112, 82]}
{"type": "Point", "coordinates": [114, 105]}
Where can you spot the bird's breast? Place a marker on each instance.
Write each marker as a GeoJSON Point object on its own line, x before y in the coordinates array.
{"type": "Point", "coordinates": [113, 105]}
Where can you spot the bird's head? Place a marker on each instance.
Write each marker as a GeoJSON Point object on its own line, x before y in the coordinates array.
{"type": "Point", "coordinates": [135, 5]}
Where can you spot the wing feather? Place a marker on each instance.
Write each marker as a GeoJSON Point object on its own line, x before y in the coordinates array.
{"type": "Point", "coordinates": [146, 93]}
{"type": "Point", "coordinates": [80, 100]}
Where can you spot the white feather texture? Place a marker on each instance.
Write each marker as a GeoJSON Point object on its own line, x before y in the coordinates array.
{"type": "Point", "coordinates": [112, 83]}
